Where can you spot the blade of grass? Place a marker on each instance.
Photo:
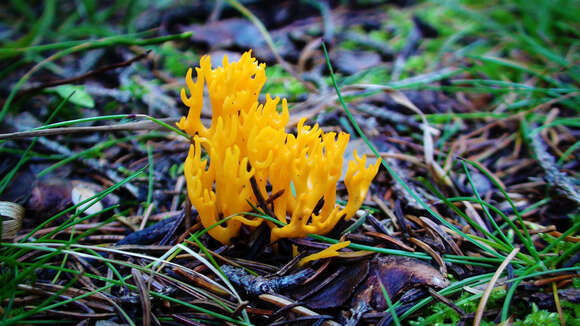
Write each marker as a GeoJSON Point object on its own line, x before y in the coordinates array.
{"type": "Point", "coordinates": [449, 258]}
{"type": "Point", "coordinates": [485, 209]}
{"type": "Point", "coordinates": [389, 303]}
{"type": "Point", "coordinates": [8, 309]}
{"type": "Point", "coordinates": [40, 25]}
{"type": "Point", "coordinates": [216, 270]}
{"type": "Point", "coordinates": [556, 260]}
{"type": "Point", "coordinates": [8, 52]}
{"type": "Point", "coordinates": [568, 152]}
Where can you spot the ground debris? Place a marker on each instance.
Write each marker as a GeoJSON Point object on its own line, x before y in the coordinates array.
{"type": "Point", "coordinates": [397, 275]}
{"type": "Point", "coordinates": [560, 181]}
{"type": "Point", "coordinates": [256, 285]}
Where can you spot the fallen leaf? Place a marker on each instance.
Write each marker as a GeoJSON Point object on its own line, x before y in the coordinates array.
{"type": "Point", "coordinates": [80, 96]}
{"type": "Point", "coordinates": [400, 274]}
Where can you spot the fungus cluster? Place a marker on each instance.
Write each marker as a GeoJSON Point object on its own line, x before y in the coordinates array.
{"type": "Point", "coordinates": [247, 143]}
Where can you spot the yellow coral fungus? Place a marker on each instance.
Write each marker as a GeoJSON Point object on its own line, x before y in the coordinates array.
{"type": "Point", "coordinates": [331, 251]}
{"type": "Point", "coordinates": [247, 140]}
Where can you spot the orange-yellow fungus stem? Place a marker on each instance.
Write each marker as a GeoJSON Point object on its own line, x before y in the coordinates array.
{"type": "Point", "coordinates": [331, 251]}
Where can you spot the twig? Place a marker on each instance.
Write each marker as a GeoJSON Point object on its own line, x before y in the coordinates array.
{"type": "Point", "coordinates": [72, 80]}
{"type": "Point", "coordinates": [447, 302]}
{"type": "Point", "coordinates": [261, 201]}
{"type": "Point", "coordinates": [257, 285]}
{"type": "Point", "coordinates": [274, 196]}
{"type": "Point", "coordinates": [143, 292]}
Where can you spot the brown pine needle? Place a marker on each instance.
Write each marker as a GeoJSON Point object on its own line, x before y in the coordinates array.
{"type": "Point", "coordinates": [490, 286]}
{"type": "Point", "coordinates": [558, 305]}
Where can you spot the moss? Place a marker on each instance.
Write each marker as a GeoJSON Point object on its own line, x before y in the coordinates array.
{"type": "Point", "coordinates": [281, 83]}
{"type": "Point", "coordinates": [174, 60]}
{"type": "Point", "coordinates": [539, 317]}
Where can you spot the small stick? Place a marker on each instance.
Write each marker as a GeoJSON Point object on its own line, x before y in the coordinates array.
{"type": "Point", "coordinates": [82, 77]}
{"type": "Point", "coordinates": [261, 201]}
{"type": "Point", "coordinates": [274, 196]}
{"type": "Point", "coordinates": [447, 302]}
